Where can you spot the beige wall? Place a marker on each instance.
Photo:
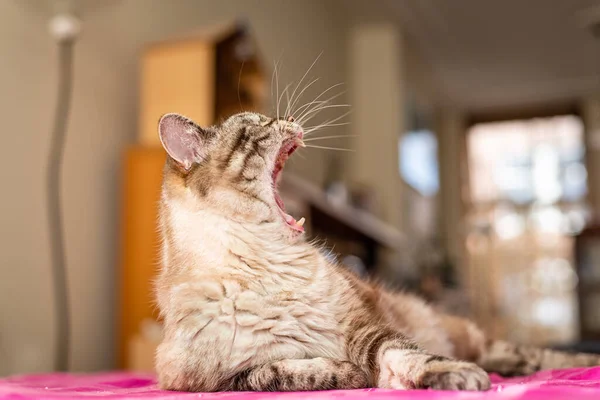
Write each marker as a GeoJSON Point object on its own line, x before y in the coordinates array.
{"type": "Point", "coordinates": [25, 308]}
{"type": "Point", "coordinates": [102, 124]}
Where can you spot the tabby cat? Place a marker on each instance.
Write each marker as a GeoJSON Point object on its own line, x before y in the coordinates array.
{"type": "Point", "coordinates": [250, 305]}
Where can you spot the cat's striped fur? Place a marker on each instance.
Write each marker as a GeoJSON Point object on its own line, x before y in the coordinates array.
{"type": "Point", "coordinates": [249, 304]}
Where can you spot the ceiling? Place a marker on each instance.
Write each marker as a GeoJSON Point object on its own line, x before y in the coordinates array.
{"type": "Point", "coordinates": [494, 54]}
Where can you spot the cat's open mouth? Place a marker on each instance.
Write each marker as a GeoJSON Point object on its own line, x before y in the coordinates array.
{"type": "Point", "coordinates": [285, 152]}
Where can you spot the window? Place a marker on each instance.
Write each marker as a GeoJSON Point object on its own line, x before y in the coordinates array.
{"type": "Point", "coordinates": [527, 187]}
{"type": "Point", "coordinates": [529, 161]}
{"type": "Point", "coordinates": [418, 161]}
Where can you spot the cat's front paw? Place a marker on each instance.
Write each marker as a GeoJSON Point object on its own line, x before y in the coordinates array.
{"type": "Point", "coordinates": [401, 369]}
{"type": "Point", "coordinates": [453, 375]}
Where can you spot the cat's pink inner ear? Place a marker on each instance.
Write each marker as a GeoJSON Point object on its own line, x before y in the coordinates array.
{"type": "Point", "coordinates": [181, 138]}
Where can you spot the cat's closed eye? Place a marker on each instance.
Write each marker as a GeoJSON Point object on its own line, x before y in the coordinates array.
{"type": "Point", "coordinates": [254, 119]}
{"type": "Point", "coordinates": [264, 121]}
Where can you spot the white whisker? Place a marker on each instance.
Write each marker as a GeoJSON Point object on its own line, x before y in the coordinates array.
{"type": "Point", "coordinates": [327, 148]}
{"type": "Point", "coordinates": [238, 86]}
{"type": "Point", "coordinates": [319, 104]}
{"type": "Point", "coordinates": [324, 106]}
{"type": "Point", "coordinates": [300, 95]}
{"type": "Point", "coordinates": [298, 154]}
{"type": "Point", "coordinates": [316, 110]}
{"type": "Point", "coordinates": [323, 92]}
{"type": "Point", "coordinates": [328, 123]}
{"type": "Point", "coordinates": [323, 126]}
{"type": "Point", "coordinates": [305, 106]}
{"type": "Point", "coordinates": [302, 79]}
{"type": "Point", "coordinates": [277, 86]}
{"type": "Point", "coordinates": [328, 137]}
{"type": "Point", "coordinates": [292, 111]}
{"type": "Point", "coordinates": [273, 82]}
{"type": "Point", "coordinates": [287, 100]}
{"type": "Point", "coordinates": [285, 91]}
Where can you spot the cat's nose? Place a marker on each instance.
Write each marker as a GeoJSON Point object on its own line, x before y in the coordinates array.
{"type": "Point", "coordinates": [290, 118]}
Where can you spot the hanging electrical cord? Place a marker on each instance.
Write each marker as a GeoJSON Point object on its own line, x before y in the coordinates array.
{"type": "Point", "coordinates": [64, 28]}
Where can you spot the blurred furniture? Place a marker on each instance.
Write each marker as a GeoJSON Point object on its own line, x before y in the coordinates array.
{"type": "Point", "coordinates": [346, 228]}
{"type": "Point", "coordinates": [177, 77]}
{"type": "Point", "coordinates": [142, 171]}
{"type": "Point", "coordinates": [205, 76]}
{"type": "Point", "coordinates": [200, 76]}
{"type": "Point", "coordinates": [587, 260]}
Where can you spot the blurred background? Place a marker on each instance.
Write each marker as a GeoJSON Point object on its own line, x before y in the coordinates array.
{"type": "Point", "coordinates": [473, 175]}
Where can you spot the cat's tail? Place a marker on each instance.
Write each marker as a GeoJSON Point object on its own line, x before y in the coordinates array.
{"type": "Point", "coordinates": [508, 359]}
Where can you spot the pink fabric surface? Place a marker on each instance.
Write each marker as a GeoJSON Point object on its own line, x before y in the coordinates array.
{"type": "Point", "coordinates": [559, 384]}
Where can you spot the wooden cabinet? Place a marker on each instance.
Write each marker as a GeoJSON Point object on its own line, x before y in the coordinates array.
{"type": "Point", "coordinates": [176, 77]}
{"type": "Point", "coordinates": [142, 173]}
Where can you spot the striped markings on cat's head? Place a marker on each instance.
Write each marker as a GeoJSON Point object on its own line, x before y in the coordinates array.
{"type": "Point", "coordinates": [247, 153]}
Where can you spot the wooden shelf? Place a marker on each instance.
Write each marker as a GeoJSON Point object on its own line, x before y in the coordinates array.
{"type": "Point", "coordinates": [359, 220]}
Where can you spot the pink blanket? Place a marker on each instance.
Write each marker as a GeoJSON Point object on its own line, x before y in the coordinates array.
{"type": "Point", "coordinates": [563, 384]}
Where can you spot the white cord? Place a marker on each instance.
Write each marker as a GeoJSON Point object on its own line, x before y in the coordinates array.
{"type": "Point", "coordinates": [64, 28]}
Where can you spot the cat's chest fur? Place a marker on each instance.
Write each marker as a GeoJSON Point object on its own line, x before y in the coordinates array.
{"type": "Point", "coordinates": [231, 296]}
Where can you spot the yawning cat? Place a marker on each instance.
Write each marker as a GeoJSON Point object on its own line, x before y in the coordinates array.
{"type": "Point", "coordinates": [249, 304]}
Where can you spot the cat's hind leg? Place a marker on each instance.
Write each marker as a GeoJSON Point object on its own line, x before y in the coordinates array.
{"type": "Point", "coordinates": [504, 358]}
{"type": "Point", "coordinates": [510, 359]}
{"type": "Point", "coordinates": [300, 375]}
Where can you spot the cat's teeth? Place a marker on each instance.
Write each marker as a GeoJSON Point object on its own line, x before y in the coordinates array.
{"type": "Point", "coordinates": [301, 221]}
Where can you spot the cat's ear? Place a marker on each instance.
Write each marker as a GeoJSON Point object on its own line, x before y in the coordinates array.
{"type": "Point", "coordinates": [183, 140]}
